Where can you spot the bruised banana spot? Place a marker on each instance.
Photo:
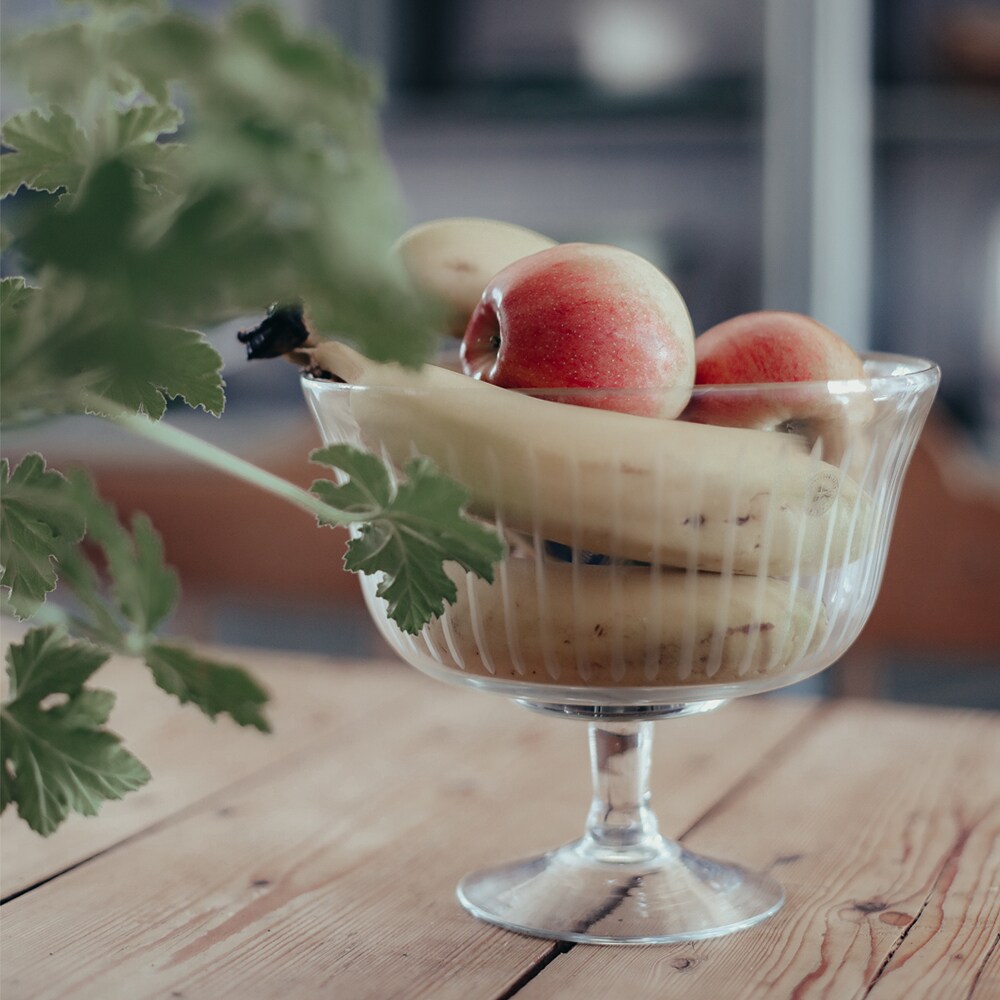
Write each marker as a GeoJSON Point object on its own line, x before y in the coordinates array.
{"type": "Point", "coordinates": [748, 628]}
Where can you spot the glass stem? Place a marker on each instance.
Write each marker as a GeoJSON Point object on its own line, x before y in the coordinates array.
{"type": "Point", "coordinates": [621, 827]}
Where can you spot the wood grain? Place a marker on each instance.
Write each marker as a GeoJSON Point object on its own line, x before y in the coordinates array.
{"type": "Point", "coordinates": [323, 862]}
{"type": "Point", "coordinates": [332, 872]}
{"type": "Point", "coordinates": [882, 823]}
{"type": "Point", "coordinates": [189, 756]}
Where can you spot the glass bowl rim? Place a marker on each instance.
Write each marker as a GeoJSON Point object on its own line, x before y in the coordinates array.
{"type": "Point", "coordinates": [899, 368]}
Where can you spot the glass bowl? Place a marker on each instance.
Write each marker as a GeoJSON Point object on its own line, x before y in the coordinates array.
{"type": "Point", "coordinates": [653, 568]}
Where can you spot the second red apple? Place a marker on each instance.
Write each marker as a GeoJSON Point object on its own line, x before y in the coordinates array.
{"type": "Point", "coordinates": [769, 348]}
{"type": "Point", "coordinates": [581, 315]}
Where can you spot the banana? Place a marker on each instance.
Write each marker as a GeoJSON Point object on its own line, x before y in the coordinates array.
{"type": "Point", "coordinates": [453, 260]}
{"type": "Point", "coordinates": [620, 626]}
{"type": "Point", "coordinates": [668, 492]}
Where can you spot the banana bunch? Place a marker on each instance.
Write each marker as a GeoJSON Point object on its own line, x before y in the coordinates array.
{"type": "Point", "coordinates": [726, 523]}
{"type": "Point", "coordinates": [666, 492]}
{"type": "Point", "coordinates": [623, 626]}
{"type": "Point", "coordinates": [452, 260]}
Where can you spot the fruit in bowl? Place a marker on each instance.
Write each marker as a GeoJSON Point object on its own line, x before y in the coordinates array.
{"type": "Point", "coordinates": [620, 483]}
{"type": "Point", "coordinates": [716, 546]}
{"type": "Point", "coordinates": [451, 260]}
{"type": "Point", "coordinates": [796, 351]}
{"type": "Point", "coordinates": [654, 566]}
{"type": "Point", "coordinates": [582, 315]}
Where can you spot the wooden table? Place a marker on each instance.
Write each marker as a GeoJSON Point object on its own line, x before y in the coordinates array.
{"type": "Point", "coordinates": [321, 861]}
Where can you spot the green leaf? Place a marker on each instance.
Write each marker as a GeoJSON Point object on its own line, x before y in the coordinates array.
{"type": "Point", "coordinates": [16, 355]}
{"type": "Point", "coordinates": [52, 153]}
{"type": "Point", "coordinates": [49, 153]}
{"type": "Point", "coordinates": [253, 68]}
{"type": "Point", "coordinates": [61, 769]}
{"type": "Point", "coordinates": [45, 663]}
{"type": "Point", "coordinates": [15, 295]}
{"type": "Point", "coordinates": [57, 759]}
{"type": "Point", "coordinates": [44, 517]}
{"type": "Point", "coordinates": [147, 588]}
{"type": "Point", "coordinates": [144, 588]}
{"type": "Point", "coordinates": [94, 232]}
{"type": "Point", "coordinates": [409, 534]}
{"type": "Point", "coordinates": [121, 610]}
{"type": "Point", "coordinates": [368, 489]}
{"type": "Point", "coordinates": [280, 192]}
{"type": "Point", "coordinates": [86, 709]}
{"type": "Point", "coordinates": [59, 63]}
{"type": "Point", "coordinates": [140, 129]}
{"type": "Point", "coordinates": [108, 341]}
{"type": "Point", "coordinates": [31, 382]}
{"type": "Point", "coordinates": [214, 687]}
{"type": "Point", "coordinates": [146, 362]}
{"type": "Point", "coordinates": [125, 4]}
{"type": "Point", "coordinates": [40, 518]}
{"type": "Point", "coordinates": [144, 124]}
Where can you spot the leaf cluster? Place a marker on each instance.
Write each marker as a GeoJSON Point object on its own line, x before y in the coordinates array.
{"type": "Point", "coordinates": [182, 173]}
{"type": "Point", "coordinates": [175, 173]}
{"type": "Point", "coordinates": [58, 758]}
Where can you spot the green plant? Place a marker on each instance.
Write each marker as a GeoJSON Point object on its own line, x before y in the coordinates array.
{"type": "Point", "coordinates": [176, 173]}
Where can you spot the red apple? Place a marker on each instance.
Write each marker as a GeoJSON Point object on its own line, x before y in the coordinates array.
{"type": "Point", "coordinates": [779, 347]}
{"type": "Point", "coordinates": [589, 316]}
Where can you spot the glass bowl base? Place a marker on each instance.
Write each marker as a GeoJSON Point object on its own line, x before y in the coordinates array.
{"type": "Point", "coordinates": [589, 895]}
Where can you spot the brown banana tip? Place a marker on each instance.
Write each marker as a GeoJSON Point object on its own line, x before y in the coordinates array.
{"type": "Point", "coordinates": [283, 330]}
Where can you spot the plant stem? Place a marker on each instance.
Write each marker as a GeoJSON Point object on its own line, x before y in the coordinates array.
{"type": "Point", "coordinates": [218, 458]}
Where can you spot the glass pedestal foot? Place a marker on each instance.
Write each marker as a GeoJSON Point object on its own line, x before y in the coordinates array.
{"type": "Point", "coordinates": [580, 893]}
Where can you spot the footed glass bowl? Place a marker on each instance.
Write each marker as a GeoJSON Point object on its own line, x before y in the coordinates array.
{"type": "Point", "coordinates": [653, 568]}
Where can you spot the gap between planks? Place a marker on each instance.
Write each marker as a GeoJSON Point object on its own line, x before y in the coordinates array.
{"type": "Point", "coordinates": [751, 776]}
{"type": "Point", "coordinates": [934, 933]}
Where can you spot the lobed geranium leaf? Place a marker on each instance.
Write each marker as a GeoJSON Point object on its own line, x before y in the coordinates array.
{"type": "Point", "coordinates": [213, 686]}
{"type": "Point", "coordinates": [410, 531]}
{"type": "Point", "coordinates": [39, 519]}
{"type": "Point", "coordinates": [57, 758]}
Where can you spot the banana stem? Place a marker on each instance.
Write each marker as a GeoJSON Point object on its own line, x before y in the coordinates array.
{"type": "Point", "coordinates": [222, 460]}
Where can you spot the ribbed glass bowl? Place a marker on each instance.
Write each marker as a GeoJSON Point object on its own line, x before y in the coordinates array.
{"type": "Point", "coordinates": [746, 562]}
{"type": "Point", "coordinates": [653, 568]}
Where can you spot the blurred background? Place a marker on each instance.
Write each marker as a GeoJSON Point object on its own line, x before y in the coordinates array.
{"type": "Point", "coordinates": [840, 159]}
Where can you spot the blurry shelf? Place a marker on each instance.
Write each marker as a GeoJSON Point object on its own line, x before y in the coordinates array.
{"type": "Point", "coordinates": [934, 114]}
{"type": "Point", "coordinates": [723, 112]}
{"type": "Point", "coordinates": [911, 114]}
{"type": "Point", "coordinates": [434, 127]}
{"type": "Point", "coordinates": [723, 100]}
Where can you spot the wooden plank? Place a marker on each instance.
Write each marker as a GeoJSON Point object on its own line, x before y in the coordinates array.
{"type": "Point", "coordinates": [947, 949]}
{"type": "Point", "coordinates": [987, 983]}
{"type": "Point", "coordinates": [882, 825]}
{"type": "Point", "coordinates": [334, 873]}
{"type": "Point", "coordinates": [189, 756]}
